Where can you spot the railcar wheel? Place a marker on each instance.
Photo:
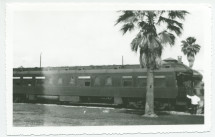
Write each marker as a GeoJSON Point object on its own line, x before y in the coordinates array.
{"type": "Point", "coordinates": [16, 99]}
{"type": "Point", "coordinates": [181, 108]}
{"type": "Point", "coordinates": [19, 98]}
{"type": "Point", "coordinates": [171, 106]}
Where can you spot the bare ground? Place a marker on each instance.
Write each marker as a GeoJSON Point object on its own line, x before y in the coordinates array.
{"type": "Point", "coordinates": [60, 115]}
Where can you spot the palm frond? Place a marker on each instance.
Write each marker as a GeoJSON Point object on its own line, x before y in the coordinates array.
{"type": "Point", "coordinates": [184, 46]}
{"type": "Point", "coordinates": [142, 24]}
{"type": "Point", "coordinates": [134, 45]}
{"type": "Point", "coordinates": [175, 29]}
{"type": "Point", "coordinates": [177, 14]}
{"type": "Point", "coordinates": [184, 43]}
{"type": "Point", "coordinates": [196, 47]}
{"type": "Point", "coordinates": [150, 58]}
{"type": "Point", "coordinates": [191, 40]}
{"type": "Point", "coordinates": [126, 15]}
{"type": "Point", "coordinates": [127, 27]}
{"type": "Point", "coordinates": [148, 41]}
{"type": "Point", "coordinates": [153, 52]}
{"type": "Point", "coordinates": [151, 17]}
{"type": "Point", "coordinates": [139, 41]}
{"type": "Point", "coordinates": [189, 48]}
{"type": "Point", "coordinates": [169, 21]}
{"type": "Point", "coordinates": [166, 38]}
{"type": "Point", "coordinates": [184, 50]}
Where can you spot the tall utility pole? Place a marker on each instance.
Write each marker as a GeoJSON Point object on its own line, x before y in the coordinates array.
{"type": "Point", "coordinates": [40, 59]}
{"type": "Point", "coordinates": [122, 60]}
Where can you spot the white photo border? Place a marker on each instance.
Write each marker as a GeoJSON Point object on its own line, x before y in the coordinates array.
{"type": "Point", "coordinates": [11, 130]}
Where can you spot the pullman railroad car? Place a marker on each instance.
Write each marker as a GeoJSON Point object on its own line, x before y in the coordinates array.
{"type": "Point", "coordinates": [117, 84]}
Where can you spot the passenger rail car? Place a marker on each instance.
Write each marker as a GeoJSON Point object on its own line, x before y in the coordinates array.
{"type": "Point", "coordinates": [116, 84]}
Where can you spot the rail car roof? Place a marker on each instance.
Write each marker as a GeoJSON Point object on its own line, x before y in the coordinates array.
{"type": "Point", "coordinates": [197, 75]}
{"type": "Point", "coordinates": [167, 65]}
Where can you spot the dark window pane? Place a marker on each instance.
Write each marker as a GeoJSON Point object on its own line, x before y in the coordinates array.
{"type": "Point", "coordinates": [87, 83]}
{"type": "Point", "coordinates": [26, 82]}
{"type": "Point", "coordinates": [141, 82]}
{"type": "Point", "coordinates": [84, 82]}
{"type": "Point", "coordinates": [127, 83]}
{"type": "Point", "coordinates": [160, 82]}
{"type": "Point", "coordinates": [40, 82]}
{"type": "Point", "coordinates": [17, 82]}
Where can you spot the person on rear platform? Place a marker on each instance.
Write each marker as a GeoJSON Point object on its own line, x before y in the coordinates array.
{"type": "Point", "coordinates": [194, 102]}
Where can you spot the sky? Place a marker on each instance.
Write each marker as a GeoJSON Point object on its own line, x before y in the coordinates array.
{"type": "Point", "coordinates": [79, 38]}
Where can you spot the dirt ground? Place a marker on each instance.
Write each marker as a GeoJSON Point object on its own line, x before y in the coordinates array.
{"type": "Point", "coordinates": [25, 115]}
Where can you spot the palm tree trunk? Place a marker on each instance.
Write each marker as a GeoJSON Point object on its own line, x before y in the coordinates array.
{"type": "Point", "coordinates": [191, 60]}
{"type": "Point", "coordinates": [141, 59]}
{"type": "Point", "coordinates": [149, 106]}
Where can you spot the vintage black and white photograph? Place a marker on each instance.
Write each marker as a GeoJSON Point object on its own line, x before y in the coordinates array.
{"type": "Point", "coordinates": [87, 65]}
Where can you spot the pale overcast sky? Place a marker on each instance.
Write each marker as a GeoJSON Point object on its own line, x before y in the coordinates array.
{"type": "Point", "coordinates": [72, 38]}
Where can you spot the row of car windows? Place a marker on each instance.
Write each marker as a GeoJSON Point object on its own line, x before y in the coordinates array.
{"type": "Point", "coordinates": [125, 81]}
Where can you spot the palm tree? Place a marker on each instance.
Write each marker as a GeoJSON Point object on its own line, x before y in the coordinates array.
{"type": "Point", "coordinates": [190, 49]}
{"type": "Point", "coordinates": [149, 42]}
